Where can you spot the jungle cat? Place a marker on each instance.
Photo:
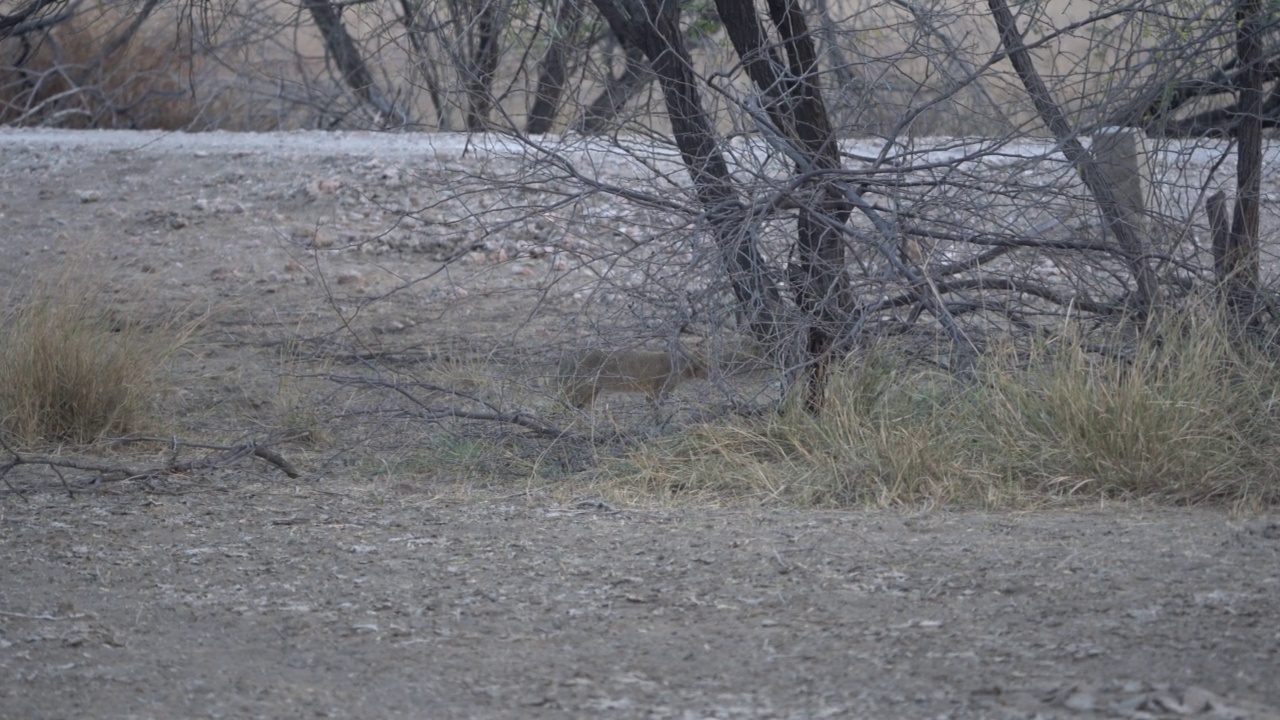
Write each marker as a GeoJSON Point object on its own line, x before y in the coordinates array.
{"type": "Point", "coordinates": [587, 373]}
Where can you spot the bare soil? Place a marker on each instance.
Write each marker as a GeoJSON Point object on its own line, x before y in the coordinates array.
{"type": "Point", "coordinates": [385, 582]}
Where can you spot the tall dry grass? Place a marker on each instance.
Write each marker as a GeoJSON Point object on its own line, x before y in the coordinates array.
{"type": "Point", "coordinates": [1193, 416]}
{"type": "Point", "coordinates": [70, 371]}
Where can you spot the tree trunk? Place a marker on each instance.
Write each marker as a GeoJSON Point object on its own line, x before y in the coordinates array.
{"type": "Point", "coordinates": [797, 111]}
{"type": "Point", "coordinates": [418, 32]}
{"type": "Point", "coordinates": [1244, 226]}
{"type": "Point", "coordinates": [653, 27]}
{"type": "Point", "coordinates": [486, 49]}
{"type": "Point", "coordinates": [1132, 244]}
{"type": "Point", "coordinates": [555, 68]}
{"type": "Point", "coordinates": [839, 63]}
{"type": "Point", "coordinates": [618, 89]}
{"type": "Point", "coordinates": [342, 49]}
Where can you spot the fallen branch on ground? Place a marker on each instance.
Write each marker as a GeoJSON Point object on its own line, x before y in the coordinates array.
{"type": "Point", "coordinates": [220, 456]}
{"type": "Point", "coordinates": [428, 412]}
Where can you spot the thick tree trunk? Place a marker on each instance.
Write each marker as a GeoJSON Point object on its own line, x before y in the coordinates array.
{"type": "Point", "coordinates": [342, 49]}
{"type": "Point", "coordinates": [1244, 227]}
{"type": "Point", "coordinates": [797, 111]}
{"type": "Point", "coordinates": [486, 49]}
{"type": "Point", "coordinates": [555, 68]}
{"type": "Point", "coordinates": [653, 27]}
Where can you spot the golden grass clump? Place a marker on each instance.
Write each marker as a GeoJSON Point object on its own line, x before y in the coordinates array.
{"type": "Point", "coordinates": [68, 373]}
{"type": "Point", "coordinates": [1189, 414]}
{"type": "Point", "coordinates": [1186, 415]}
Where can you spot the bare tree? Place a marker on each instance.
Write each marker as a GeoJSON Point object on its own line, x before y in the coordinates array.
{"type": "Point", "coordinates": [486, 28]}
{"type": "Point", "coordinates": [653, 28]}
{"type": "Point", "coordinates": [421, 24]}
{"type": "Point", "coordinates": [618, 89]}
{"type": "Point", "coordinates": [555, 67]}
{"type": "Point", "coordinates": [346, 55]}
{"type": "Point", "coordinates": [956, 193]}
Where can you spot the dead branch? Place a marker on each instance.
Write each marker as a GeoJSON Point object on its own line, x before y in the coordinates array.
{"type": "Point", "coordinates": [1104, 193]}
{"type": "Point", "coordinates": [495, 414]}
{"type": "Point", "coordinates": [219, 457]}
{"type": "Point", "coordinates": [1007, 285]}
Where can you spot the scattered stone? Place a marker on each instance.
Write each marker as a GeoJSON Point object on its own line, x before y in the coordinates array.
{"type": "Point", "coordinates": [1196, 699]}
{"type": "Point", "coordinates": [229, 176]}
{"type": "Point", "coordinates": [311, 236]}
{"type": "Point", "coordinates": [325, 186]}
{"type": "Point", "coordinates": [350, 277]}
{"type": "Point", "coordinates": [1080, 701]}
{"type": "Point", "coordinates": [89, 196]}
{"type": "Point", "coordinates": [393, 327]}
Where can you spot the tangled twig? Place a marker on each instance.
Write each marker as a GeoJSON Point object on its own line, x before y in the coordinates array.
{"type": "Point", "coordinates": [219, 456]}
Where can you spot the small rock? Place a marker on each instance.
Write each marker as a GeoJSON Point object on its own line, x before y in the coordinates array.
{"type": "Point", "coordinates": [89, 196]}
{"type": "Point", "coordinates": [350, 277]}
{"type": "Point", "coordinates": [395, 326]}
{"type": "Point", "coordinates": [1080, 701]}
{"type": "Point", "coordinates": [177, 222]}
{"type": "Point", "coordinates": [325, 186]}
{"type": "Point", "coordinates": [292, 267]}
{"type": "Point", "coordinates": [1196, 699]}
{"type": "Point", "coordinates": [1168, 702]}
{"type": "Point", "coordinates": [311, 236]}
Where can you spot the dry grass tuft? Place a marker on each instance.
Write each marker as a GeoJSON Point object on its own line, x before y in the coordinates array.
{"type": "Point", "coordinates": [1193, 417]}
{"type": "Point", "coordinates": [70, 372]}
{"type": "Point", "coordinates": [1190, 416]}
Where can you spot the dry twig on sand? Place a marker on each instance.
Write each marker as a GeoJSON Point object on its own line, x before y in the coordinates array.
{"type": "Point", "coordinates": [218, 457]}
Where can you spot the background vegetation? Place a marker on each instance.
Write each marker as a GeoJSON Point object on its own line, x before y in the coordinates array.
{"type": "Point", "coordinates": [1014, 285]}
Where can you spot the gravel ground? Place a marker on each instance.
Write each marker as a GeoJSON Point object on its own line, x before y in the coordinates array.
{"type": "Point", "coordinates": [356, 593]}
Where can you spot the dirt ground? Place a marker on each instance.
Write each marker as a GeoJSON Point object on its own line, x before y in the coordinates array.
{"type": "Point", "coordinates": [381, 583]}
